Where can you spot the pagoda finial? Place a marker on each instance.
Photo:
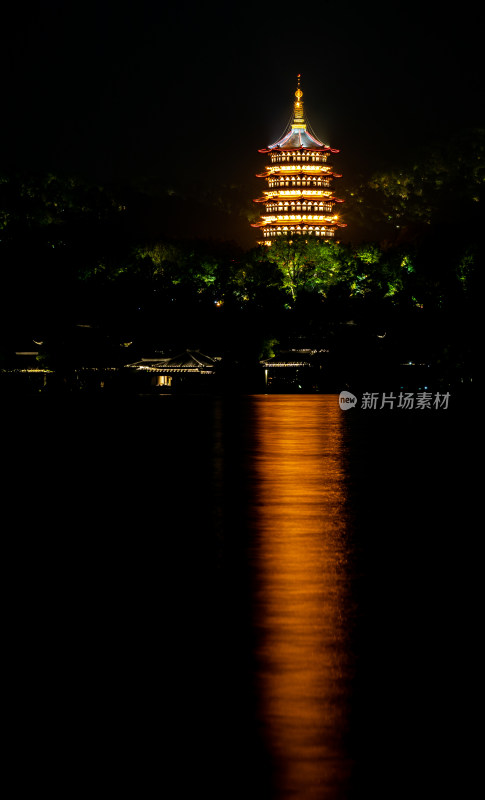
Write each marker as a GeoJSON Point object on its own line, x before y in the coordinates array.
{"type": "Point", "coordinates": [298, 106]}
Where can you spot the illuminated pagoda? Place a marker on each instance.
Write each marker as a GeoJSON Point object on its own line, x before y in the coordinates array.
{"type": "Point", "coordinates": [299, 199]}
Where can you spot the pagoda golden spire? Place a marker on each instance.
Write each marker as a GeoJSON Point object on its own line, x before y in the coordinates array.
{"type": "Point", "coordinates": [298, 118]}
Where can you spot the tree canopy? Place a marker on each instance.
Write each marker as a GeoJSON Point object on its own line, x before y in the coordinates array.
{"type": "Point", "coordinates": [71, 252]}
{"type": "Point", "coordinates": [441, 183]}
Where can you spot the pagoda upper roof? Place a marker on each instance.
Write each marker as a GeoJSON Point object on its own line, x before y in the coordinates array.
{"type": "Point", "coordinates": [297, 137]}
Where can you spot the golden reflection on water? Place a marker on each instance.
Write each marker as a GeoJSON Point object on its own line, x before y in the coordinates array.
{"type": "Point", "coordinates": [301, 596]}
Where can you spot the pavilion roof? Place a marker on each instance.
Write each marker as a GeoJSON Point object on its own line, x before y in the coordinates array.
{"type": "Point", "coordinates": [188, 361]}
{"type": "Point", "coordinates": [290, 358]}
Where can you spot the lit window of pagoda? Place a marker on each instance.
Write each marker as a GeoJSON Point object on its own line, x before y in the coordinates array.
{"type": "Point", "coordinates": [306, 176]}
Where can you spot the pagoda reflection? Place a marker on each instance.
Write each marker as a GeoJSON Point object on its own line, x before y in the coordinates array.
{"type": "Point", "coordinates": [301, 598]}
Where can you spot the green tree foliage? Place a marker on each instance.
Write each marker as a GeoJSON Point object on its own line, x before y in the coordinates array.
{"type": "Point", "coordinates": [263, 274]}
{"type": "Point", "coordinates": [318, 266]}
{"type": "Point", "coordinates": [55, 230]}
{"type": "Point", "coordinates": [56, 205]}
{"type": "Point", "coordinates": [67, 248]}
{"type": "Point", "coordinates": [61, 240]}
{"type": "Point", "coordinates": [308, 265]}
{"type": "Point", "coordinates": [294, 260]}
{"type": "Point", "coordinates": [254, 279]}
{"type": "Point", "coordinates": [442, 183]}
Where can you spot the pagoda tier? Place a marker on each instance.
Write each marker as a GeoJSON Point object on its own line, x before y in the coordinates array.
{"type": "Point", "coordinates": [299, 199]}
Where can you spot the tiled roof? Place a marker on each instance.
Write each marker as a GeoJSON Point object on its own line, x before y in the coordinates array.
{"type": "Point", "coordinates": [296, 138]}
{"type": "Point", "coordinates": [188, 361]}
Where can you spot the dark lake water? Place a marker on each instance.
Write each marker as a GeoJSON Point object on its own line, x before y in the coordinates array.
{"type": "Point", "coordinates": [240, 597]}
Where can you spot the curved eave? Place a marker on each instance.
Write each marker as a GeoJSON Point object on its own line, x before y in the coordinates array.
{"type": "Point", "coordinates": [303, 228]}
{"type": "Point", "coordinates": [281, 364]}
{"type": "Point", "coordinates": [298, 199]}
{"type": "Point", "coordinates": [287, 170]}
{"type": "Point", "coordinates": [298, 136]}
{"type": "Point", "coordinates": [164, 370]}
{"type": "Point", "coordinates": [276, 149]}
{"type": "Point", "coordinates": [324, 148]}
{"type": "Point", "coordinates": [301, 193]}
{"type": "Point", "coordinates": [303, 196]}
{"type": "Point", "coordinates": [300, 171]}
{"type": "Point", "coordinates": [21, 370]}
{"type": "Point", "coordinates": [301, 224]}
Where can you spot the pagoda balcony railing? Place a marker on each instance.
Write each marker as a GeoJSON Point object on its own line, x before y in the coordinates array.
{"type": "Point", "coordinates": [290, 195]}
{"type": "Point", "coordinates": [323, 230]}
{"type": "Point", "coordinates": [293, 182]}
{"type": "Point", "coordinates": [280, 219]}
{"type": "Point", "coordinates": [292, 209]}
{"type": "Point", "coordinates": [308, 169]}
{"type": "Point", "coordinates": [307, 159]}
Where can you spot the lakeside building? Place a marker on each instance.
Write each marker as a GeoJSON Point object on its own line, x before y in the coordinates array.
{"type": "Point", "coordinates": [295, 369]}
{"type": "Point", "coordinates": [299, 199]}
{"type": "Point", "coordinates": [177, 371]}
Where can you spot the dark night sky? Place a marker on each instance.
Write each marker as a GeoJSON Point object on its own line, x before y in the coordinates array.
{"type": "Point", "coordinates": [108, 89]}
